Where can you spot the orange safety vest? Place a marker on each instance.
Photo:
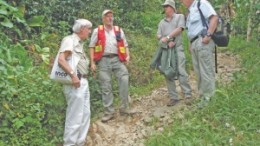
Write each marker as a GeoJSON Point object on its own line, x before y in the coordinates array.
{"type": "Point", "coordinates": [100, 45]}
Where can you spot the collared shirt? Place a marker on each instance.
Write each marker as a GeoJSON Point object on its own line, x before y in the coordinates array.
{"type": "Point", "coordinates": [194, 23]}
{"type": "Point", "coordinates": [166, 27]}
{"type": "Point", "coordinates": [111, 42]}
{"type": "Point", "coordinates": [75, 45]}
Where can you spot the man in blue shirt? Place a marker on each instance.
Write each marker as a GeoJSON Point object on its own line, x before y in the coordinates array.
{"type": "Point", "coordinates": [201, 46]}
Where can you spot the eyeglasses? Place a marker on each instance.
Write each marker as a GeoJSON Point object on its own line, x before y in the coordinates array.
{"type": "Point", "coordinates": [166, 6]}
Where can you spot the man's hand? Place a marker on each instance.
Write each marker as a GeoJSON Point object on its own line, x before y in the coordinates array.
{"type": "Point", "coordinates": [206, 39]}
{"type": "Point", "coordinates": [171, 44]}
{"type": "Point", "coordinates": [93, 67]}
{"type": "Point", "coordinates": [75, 81]}
{"type": "Point", "coordinates": [164, 39]}
{"type": "Point", "coordinates": [127, 59]}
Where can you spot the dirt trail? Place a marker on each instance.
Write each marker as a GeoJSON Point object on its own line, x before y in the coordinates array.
{"type": "Point", "coordinates": [153, 113]}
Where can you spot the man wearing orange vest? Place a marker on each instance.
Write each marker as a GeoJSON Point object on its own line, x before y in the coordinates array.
{"type": "Point", "coordinates": [109, 51]}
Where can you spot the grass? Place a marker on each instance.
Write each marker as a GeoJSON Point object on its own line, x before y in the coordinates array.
{"type": "Point", "coordinates": [232, 117]}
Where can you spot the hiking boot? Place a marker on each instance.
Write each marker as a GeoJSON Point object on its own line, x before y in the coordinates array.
{"type": "Point", "coordinates": [202, 104]}
{"type": "Point", "coordinates": [127, 111]}
{"type": "Point", "coordinates": [172, 102]}
{"type": "Point", "coordinates": [107, 117]}
{"type": "Point", "coordinates": [188, 100]}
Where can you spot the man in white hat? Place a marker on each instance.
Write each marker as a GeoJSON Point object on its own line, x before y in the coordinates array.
{"type": "Point", "coordinates": [169, 31]}
{"type": "Point", "coordinates": [109, 52]}
{"type": "Point", "coordinates": [201, 46]}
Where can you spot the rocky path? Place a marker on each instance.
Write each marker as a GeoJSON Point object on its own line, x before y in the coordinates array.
{"type": "Point", "coordinates": [153, 113]}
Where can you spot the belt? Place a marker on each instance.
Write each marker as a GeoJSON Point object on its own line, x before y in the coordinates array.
{"type": "Point", "coordinates": [110, 55]}
{"type": "Point", "coordinates": [193, 39]}
{"type": "Point", "coordinates": [82, 76]}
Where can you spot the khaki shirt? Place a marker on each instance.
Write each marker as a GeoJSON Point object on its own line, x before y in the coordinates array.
{"type": "Point", "coordinates": [111, 42]}
{"type": "Point", "coordinates": [166, 27]}
{"type": "Point", "coordinates": [73, 43]}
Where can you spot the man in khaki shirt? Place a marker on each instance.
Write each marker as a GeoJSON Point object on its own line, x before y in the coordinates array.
{"type": "Point", "coordinates": [169, 32]}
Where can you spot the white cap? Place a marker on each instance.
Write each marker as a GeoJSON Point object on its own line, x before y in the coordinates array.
{"type": "Point", "coordinates": [106, 11]}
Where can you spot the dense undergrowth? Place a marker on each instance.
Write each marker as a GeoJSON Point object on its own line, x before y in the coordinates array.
{"type": "Point", "coordinates": [32, 108]}
{"type": "Point", "coordinates": [233, 115]}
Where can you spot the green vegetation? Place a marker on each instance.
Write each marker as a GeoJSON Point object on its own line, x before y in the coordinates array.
{"type": "Point", "coordinates": [233, 116]}
{"type": "Point", "coordinates": [32, 108]}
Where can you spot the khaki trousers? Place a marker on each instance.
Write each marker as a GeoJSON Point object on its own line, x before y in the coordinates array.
{"type": "Point", "coordinates": [203, 64]}
{"type": "Point", "coordinates": [183, 77]}
{"type": "Point", "coordinates": [107, 67]}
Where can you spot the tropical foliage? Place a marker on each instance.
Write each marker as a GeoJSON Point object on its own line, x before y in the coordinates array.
{"type": "Point", "coordinates": [32, 108]}
{"type": "Point", "coordinates": [232, 116]}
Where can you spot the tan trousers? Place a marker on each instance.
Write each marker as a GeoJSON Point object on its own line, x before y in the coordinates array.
{"type": "Point", "coordinates": [107, 67]}
{"type": "Point", "coordinates": [183, 77]}
{"type": "Point", "coordinates": [203, 64]}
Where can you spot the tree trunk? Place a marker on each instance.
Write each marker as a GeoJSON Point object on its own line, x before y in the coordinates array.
{"type": "Point", "coordinates": [249, 22]}
{"type": "Point", "coordinates": [249, 29]}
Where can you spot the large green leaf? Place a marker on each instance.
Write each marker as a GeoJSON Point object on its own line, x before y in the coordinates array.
{"type": "Point", "coordinates": [3, 12]}
{"type": "Point", "coordinates": [45, 58]}
{"type": "Point", "coordinates": [7, 23]}
{"type": "Point", "coordinates": [36, 21]}
{"type": "Point", "coordinates": [20, 20]}
{"type": "Point", "coordinates": [46, 50]}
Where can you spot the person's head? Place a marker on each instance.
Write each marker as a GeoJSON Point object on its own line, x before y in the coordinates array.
{"type": "Point", "coordinates": [107, 17]}
{"type": "Point", "coordinates": [82, 27]}
{"type": "Point", "coordinates": [169, 7]}
{"type": "Point", "coordinates": [187, 3]}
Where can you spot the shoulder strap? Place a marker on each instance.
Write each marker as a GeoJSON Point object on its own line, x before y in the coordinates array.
{"type": "Point", "coordinates": [117, 33]}
{"type": "Point", "coordinates": [100, 32]}
{"type": "Point", "coordinates": [202, 16]}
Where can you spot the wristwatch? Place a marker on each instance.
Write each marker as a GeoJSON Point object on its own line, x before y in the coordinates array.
{"type": "Point", "coordinates": [71, 72]}
{"type": "Point", "coordinates": [208, 34]}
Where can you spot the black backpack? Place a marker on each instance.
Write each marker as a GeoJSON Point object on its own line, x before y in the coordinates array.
{"type": "Point", "coordinates": [220, 36]}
